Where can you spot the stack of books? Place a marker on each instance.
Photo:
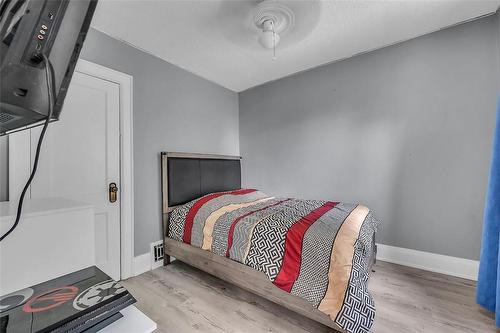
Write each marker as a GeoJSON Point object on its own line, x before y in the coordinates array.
{"type": "Point", "coordinates": [84, 301]}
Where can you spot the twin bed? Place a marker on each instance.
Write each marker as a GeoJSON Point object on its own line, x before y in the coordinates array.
{"type": "Point", "coordinates": [313, 257]}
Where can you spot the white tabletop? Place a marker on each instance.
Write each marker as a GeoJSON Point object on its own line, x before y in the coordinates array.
{"type": "Point", "coordinates": [133, 321]}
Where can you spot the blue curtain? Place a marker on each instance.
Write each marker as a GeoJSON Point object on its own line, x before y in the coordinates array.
{"type": "Point", "coordinates": [488, 285]}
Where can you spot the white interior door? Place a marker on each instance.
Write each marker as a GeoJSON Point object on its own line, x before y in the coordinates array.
{"type": "Point", "coordinates": [81, 157]}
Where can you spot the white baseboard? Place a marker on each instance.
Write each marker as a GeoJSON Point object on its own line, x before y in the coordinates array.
{"type": "Point", "coordinates": [459, 267]}
{"type": "Point", "coordinates": [156, 264]}
{"type": "Point", "coordinates": [142, 264]}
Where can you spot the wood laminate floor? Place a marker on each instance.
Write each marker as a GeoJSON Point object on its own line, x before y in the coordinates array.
{"type": "Point", "coordinates": [181, 299]}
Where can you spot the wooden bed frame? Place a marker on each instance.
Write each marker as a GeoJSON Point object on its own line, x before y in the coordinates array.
{"type": "Point", "coordinates": [225, 268]}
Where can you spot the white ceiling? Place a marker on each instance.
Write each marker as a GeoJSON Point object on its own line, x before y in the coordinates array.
{"type": "Point", "coordinates": [202, 36]}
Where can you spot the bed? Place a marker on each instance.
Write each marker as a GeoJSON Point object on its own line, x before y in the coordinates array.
{"type": "Point", "coordinates": [313, 257]}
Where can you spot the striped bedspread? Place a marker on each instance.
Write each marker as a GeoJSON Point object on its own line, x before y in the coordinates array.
{"type": "Point", "coordinates": [318, 250]}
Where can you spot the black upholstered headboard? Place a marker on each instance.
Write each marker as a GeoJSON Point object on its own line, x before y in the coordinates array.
{"type": "Point", "coordinates": [189, 176]}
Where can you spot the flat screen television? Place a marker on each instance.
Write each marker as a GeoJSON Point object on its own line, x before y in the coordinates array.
{"type": "Point", "coordinates": [30, 29]}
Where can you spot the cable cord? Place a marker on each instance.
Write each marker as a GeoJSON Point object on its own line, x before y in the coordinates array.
{"type": "Point", "coordinates": [49, 73]}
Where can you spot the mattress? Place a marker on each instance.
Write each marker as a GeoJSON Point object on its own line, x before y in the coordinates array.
{"type": "Point", "coordinates": [321, 251]}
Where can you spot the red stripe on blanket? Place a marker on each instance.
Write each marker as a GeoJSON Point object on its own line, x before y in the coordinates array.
{"type": "Point", "coordinates": [188, 226]}
{"type": "Point", "coordinates": [238, 219]}
{"type": "Point", "coordinates": [290, 268]}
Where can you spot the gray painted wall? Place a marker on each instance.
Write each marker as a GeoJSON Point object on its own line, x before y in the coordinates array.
{"type": "Point", "coordinates": [173, 111]}
{"type": "Point", "coordinates": [4, 169]}
{"type": "Point", "coordinates": [406, 130]}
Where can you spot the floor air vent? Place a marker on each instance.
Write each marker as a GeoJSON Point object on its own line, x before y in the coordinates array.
{"type": "Point", "coordinates": [156, 254]}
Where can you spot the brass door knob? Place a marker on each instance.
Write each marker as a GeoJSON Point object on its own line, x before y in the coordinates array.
{"type": "Point", "coordinates": [113, 192]}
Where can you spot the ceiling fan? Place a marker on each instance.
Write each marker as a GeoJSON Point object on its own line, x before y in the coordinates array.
{"type": "Point", "coordinates": [263, 25]}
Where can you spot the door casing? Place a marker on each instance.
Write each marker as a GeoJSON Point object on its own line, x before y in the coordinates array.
{"type": "Point", "coordinates": [21, 140]}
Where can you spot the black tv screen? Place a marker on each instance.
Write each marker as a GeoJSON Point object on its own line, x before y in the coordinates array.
{"type": "Point", "coordinates": [29, 29]}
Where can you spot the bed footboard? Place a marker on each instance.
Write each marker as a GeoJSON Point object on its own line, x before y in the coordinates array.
{"type": "Point", "coordinates": [244, 277]}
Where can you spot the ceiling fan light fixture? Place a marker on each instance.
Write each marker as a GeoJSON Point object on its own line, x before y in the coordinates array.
{"type": "Point", "coordinates": [247, 23]}
{"type": "Point", "coordinates": [269, 38]}
{"type": "Point", "coordinates": [273, 19]}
